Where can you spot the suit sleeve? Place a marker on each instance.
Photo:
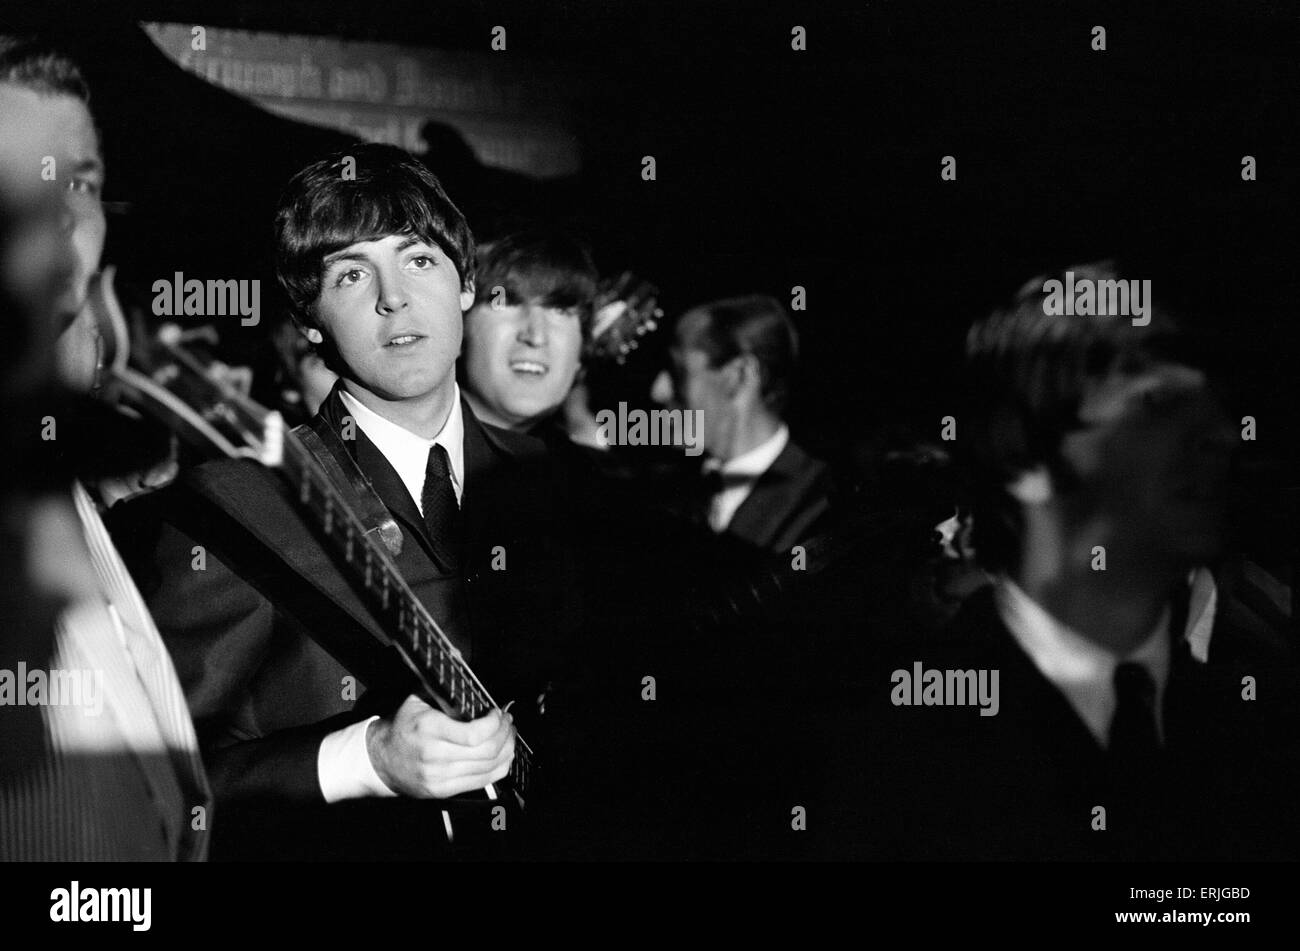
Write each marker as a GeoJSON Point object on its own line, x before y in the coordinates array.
{"type": "Point", "coordinates": [221, 631]}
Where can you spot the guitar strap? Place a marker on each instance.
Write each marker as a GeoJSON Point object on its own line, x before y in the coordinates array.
{"type": "Point", "coordinates": [325, 444]}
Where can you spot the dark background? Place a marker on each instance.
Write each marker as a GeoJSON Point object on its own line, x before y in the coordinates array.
{"type": "Point", "coordinates": [819, 168]}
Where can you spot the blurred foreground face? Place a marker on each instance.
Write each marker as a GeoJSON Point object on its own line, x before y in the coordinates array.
{"type": "Point", "coordinates": [1152, 462]}
{"type": "Point", "coordinates": [48, 144]}
{"type": "Point", "coordinates": [521, 359]}
{"type": "Point", "coordinates": [36, 263]}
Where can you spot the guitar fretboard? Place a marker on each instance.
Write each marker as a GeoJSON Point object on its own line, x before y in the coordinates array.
{"type": "Point", "coordinates": [423, 644]}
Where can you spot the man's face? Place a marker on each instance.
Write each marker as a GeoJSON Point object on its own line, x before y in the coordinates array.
{"type": "Point", "coordinates": [392, 309]}
{"type": "Point", "coordinates": [521, 359]}
{"type": "Point", "coordinates": [54, 134]}
{"type": "Point", "coordinates": [692, 383]}
{"type": "Point", "coordinates": [1152, 461]}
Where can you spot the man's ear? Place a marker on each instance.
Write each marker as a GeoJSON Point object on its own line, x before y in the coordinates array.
{"type": "Point", "coordinates": [467, 296]}
{"type": "Point", "coordinates": [1032, 486]}
{"type": "Point", "coordinates": [312, 334]}
{"type": "Point", "coordinates": [743, 373]}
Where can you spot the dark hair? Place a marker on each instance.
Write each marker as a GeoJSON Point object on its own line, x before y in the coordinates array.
{"type": "Point", "coordinates": [38, 65]}
{"type": "Point", "coordinates": [1026, 375]}
{"type": "Point", "coordinates": [754, 324]}
{"type": "Point", "coordinates": [549, 267]}
{"type": "Point", "coordinates": [321, 212]}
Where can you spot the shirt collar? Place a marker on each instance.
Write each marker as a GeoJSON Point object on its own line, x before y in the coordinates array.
{"type": "Point", "coordinates": [757, 460]}
{"type": "Point", "coordinates": [409, 453]}
{"type": "Point", "coordinates": [1080, 668]}
{"type": "Point", "coordinates": [1202, 608]}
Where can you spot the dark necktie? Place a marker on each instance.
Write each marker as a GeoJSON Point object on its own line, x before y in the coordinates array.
{"type": "Point", "coordinates": [1133, 736]}
{"type": "Point", "coordinates": [1137, 801]}
{"type": "Point", "coordinates": [441, 512]}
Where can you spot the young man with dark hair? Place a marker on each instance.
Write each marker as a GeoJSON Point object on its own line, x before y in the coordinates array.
{"type": "Point", "coordinates": [1095, 720]}
{"type": "Point", "coordinates": [377, 263]}
{"type": "Point", "coordinates": [733, 362]}
{"type": "Point", "coordinates": [524, 334]}
{"type": "Point", "coordinates": [115, 774]}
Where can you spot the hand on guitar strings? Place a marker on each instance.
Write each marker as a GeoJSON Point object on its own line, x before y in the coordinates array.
{"type": "Point", "coordinates": [423, 753]}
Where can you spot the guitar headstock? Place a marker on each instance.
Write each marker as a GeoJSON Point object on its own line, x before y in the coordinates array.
{"type": "Point", "coordinates": [625, 310]}
{"type": "Point", "coordinates": [171, 377]}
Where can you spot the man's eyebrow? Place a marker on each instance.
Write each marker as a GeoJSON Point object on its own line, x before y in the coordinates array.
{"type": "Point", "coordinates": [344, 255]}
{"type": "Point", "coordinates": [91, 163]}
{"type": "Point", "coordinates": [413, 239]}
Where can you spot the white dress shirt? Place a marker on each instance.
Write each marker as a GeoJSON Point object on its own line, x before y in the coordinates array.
{"type": "Point", "coordinates": [1083, 670]}
{"type": "Point", "coordinates": [748, 466]}
{"type": "Point", "coordinates": [409, 453]}
{"type": "Point", "coordinates": [343, 764]}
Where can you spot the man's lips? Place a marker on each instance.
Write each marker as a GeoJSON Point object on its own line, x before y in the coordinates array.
{"type": "Point", "coordinates": [404, 339]}
{"type": "Point", "coordinates": [529, 367]}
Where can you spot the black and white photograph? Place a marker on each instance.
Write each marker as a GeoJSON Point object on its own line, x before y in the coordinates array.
{"type": "Point", "coordinates": [573, 435]}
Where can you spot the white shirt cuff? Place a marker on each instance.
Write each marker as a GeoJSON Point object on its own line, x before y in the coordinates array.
{"type": "Point", "coordinates": [343, 765]}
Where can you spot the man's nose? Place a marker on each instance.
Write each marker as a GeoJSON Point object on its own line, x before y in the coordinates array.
{"type": "Point", "coordinates": [67, 214]}
{"type": "Point", "coordinates": [532, 327]}
{"type": "Point", "coordinates": [392, 295]}
{"type": "Point", "coordinates": [661, 391]}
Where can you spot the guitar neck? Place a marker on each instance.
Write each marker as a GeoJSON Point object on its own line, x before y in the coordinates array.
{"type": "Point", "coordinates": [423, 645]}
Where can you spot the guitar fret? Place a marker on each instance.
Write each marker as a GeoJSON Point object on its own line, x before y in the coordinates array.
{"type": "Point", "coordinates": [329, 516]}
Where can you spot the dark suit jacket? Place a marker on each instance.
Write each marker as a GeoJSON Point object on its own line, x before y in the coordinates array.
{"type": "Point", "coordinates": [270, 636]}
{"type": "Point", "coordinates": [911, 782]}
{"type": "Point", "coordinates": [788, 504]}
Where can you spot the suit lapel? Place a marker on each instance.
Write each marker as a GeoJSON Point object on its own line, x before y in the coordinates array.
{"type": "Point", "coordinates": [387, 483]}
{"type": "Point", "coordinates": [1031, 703]}
{"type": "Point", "coordinates": [485, 478]}
{"type": "Point", "coordinates": [488, 477]}
{"type": "Point", "coordinates": [773, 499]}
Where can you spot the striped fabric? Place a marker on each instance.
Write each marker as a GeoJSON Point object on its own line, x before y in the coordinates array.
{"type": "Point", "coordinates": [124, 783]}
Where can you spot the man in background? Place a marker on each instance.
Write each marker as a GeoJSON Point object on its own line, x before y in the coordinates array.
{"type": "Point", "coordinates": [524, 333]}
{"type": "Point", "coordinates": [1096, 719]}
{"type": "Point", "coordinates": [733, 361]}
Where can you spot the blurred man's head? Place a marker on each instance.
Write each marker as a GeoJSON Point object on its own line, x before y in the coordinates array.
{"type": "Point", "coordinates": [377, 263]}
{"type": "Point", "coordinates": [1102, 432]}
{"type": "Point", "coordinates": [524, 334]}
{"type": "Point", "coordinates": [732, 360]}
{"type": "Point", "coordinates": [48, 142]}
